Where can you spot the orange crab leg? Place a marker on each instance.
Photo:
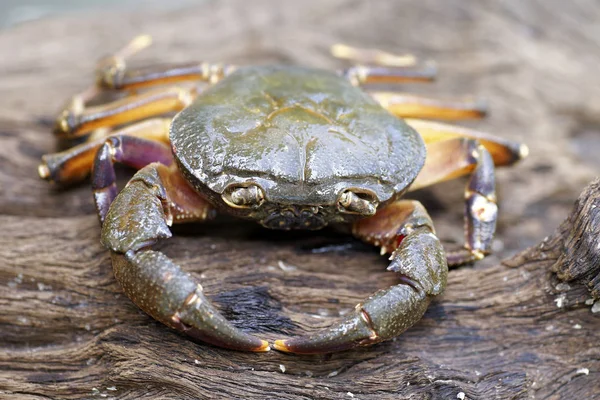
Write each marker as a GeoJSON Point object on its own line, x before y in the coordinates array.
{"type": "Point", "coordinates": [74, 164]}
{"type": "Point", "coordinates": [412, 106]}
{"type": "Point", "coordinates": [112, 71]}
{"type": "Point", "coordinates": [77, 120]}
{"type": "Point", "coordinates": [162, 75]}
{"type": "Point", "coordinates": [380, 67]}
{"type": "Point", "coordinates": [503, 151]}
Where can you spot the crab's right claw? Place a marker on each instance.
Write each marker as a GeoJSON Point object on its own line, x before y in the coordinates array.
{"type": "Point", "coordinates": [138, 217]}
{"type": "Point", "coordinates": [163, 290]}
{"type": "Point", "coordinates": [421, 264]}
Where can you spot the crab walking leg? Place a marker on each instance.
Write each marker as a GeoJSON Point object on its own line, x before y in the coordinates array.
{"type": "Point", "coordinates": [117, 76]}
{"type": "Point", "coordinates": [504, 152]}
{"type": "Point", "coordinates": [457, 157]}
{"type": "Point", "coordinates": [376, 66]}
{"type": "Point", "coordinates": [141, 215]}
{"type": "Point", "coordinates": [75, 164]}
{"type": "Point", "coordinates": [77, 120]}
{"type": "Point", "coordinates": [411, 106]}
{"type": "Point", "coordinates": [372, 56]}
{"type": "Point", "coordinates": [112, 71]}
{"type": "Point", "coordinates": [365, 75]}
{"type": "Point", "coordinates": [132, 151]}
{"type": "Point", "coordinates": [420, 263]}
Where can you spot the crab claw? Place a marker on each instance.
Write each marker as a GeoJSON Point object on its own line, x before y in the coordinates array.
{"type": "Point", "coordinates": [384, 315]}
{"type": "Point", "coordinates": [162, 289]}
{"type": "Point", "coordinates": [421, 264]}
{"type": "Point", "coordinates": [137, 218]}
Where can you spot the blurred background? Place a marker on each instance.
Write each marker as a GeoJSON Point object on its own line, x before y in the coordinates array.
{"type": "Point", "coordinates": [13, 12]}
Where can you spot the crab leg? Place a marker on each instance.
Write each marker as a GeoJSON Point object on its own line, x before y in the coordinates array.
{"type": "Point", "coordinates": [420, 263]}
{"type": "Point", "coordinates": [503, 151]}
{"type": "Point", "coordinates": [139, 216]}
{"type": "Point", "coordinates": [74, 164]}
{"type": "Point", "coordinates": [376, 66]}
{"type": "Point", "coordinates": [456, 157]}
{"type": "Point", "coordinates": [132, 151]}
{"type": "Point", "coordinates": [372, 56]}
{"type": "Point", "coordinates": [112, 71]}
{"type": "Point", "coordinates": [411, 106]}
{"type": "Point", "coordinates": [117, 76]}
{"type": "Point", "coordinates": [77, 120]}
{"type": "Point", "coordinates": [360, 75]}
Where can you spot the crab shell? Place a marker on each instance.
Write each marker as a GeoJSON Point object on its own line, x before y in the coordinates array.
{"type": "Point", "coordinates": [302, 136]}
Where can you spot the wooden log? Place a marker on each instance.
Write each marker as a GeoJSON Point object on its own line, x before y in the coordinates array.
{"type": "Point", "coordinates": [498, 332]}
{"type": "Point", "coordinates": [67, 331]}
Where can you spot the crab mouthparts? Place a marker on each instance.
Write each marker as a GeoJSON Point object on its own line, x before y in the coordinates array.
{"type": "Point", "coordinates": [293, 217]}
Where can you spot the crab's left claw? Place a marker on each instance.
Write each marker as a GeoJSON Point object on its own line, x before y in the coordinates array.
{"type": "Point", "coordinates": [421, 265]}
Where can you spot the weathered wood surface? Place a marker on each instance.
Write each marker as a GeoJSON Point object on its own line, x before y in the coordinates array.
{"type": "Point", "coordinates": [66, 331]}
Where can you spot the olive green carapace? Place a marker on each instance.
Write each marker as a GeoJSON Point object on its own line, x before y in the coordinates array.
{"type": "Point", "coordinates": [304, 135]}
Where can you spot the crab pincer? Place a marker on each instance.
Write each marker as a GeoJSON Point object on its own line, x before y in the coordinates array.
{"type": "Point", "coordinates": [420, 263]}
{"type": "Point", "coordinates": [140, 215]}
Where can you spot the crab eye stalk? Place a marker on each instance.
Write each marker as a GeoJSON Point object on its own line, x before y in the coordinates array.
{"type": "Point", "coordinates": [357, 203]}
{"type": "Point", "coordinates": [249, 196]}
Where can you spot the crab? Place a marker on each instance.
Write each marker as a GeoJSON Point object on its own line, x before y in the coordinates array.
{"type": "Point", "coordinates": [290, 148]}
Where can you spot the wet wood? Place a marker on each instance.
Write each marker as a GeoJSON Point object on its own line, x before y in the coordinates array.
{"type": "Point", "coordinates": [511, 329]}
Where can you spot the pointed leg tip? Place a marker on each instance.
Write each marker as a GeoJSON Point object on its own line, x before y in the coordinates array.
{"type": "Point", "coordinates": [264, 347]}
{"type": "Point", "coordinates": [280, 345]}
{"type": "Point", "coordinates": [482, 108]}
{"type": "Point", "coordinates": [44, 171]}
{"type": "Point", "coordinates": [144, 39]}
{"type": "Point", "coordinates": [140, 42]}
{"type": "Point", "coordinates": [523, 151]}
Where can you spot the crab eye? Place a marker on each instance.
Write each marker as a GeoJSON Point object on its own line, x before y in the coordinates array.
{"type": "Point", "coordinates": [363, 203]}
{"type": "Point", "coordinates": [248, 196]}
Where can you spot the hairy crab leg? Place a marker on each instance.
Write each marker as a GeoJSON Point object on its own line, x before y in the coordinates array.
{"type": "Point", "coordinates": [419, 261]}
{"type": "Point", "coordinates": [77, 120]}
{"type": "Point", "coordinates": [456, 157]}
{"type": "Point", "coordinates": [411, 106]}
{"type": "Point", "coordinates": [504, 152]}
{"type": "Point", "coordinates": [75, 164]}
{"type": "Point", "coordinates": [139, 216]}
